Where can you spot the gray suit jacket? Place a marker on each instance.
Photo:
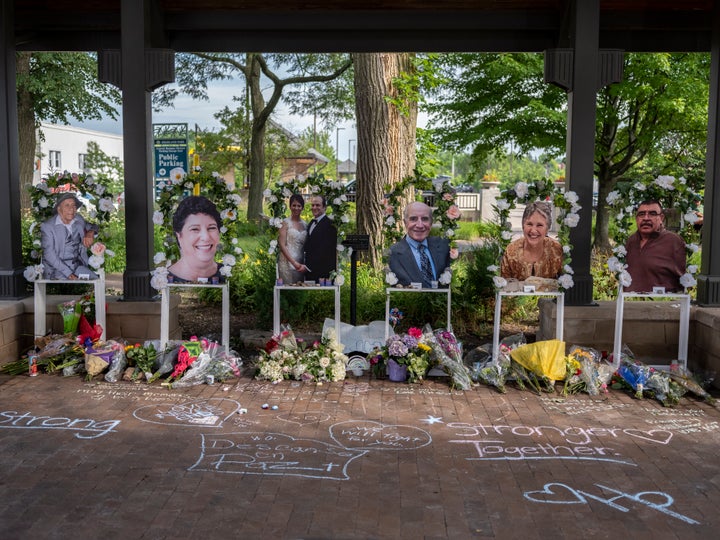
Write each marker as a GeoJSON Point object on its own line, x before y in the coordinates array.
{"type": "Point", "coordinates": [403, 265]}
{"type": "Point", "coordinates": [58, 261]}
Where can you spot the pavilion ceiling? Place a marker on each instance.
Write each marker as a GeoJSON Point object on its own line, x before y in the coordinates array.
{"type": "Point", "coordinates": [368, 25]}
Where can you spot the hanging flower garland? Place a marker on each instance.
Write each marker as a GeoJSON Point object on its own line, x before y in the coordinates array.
{"type": "Point", "coordinates": [445, 214]}
{"type": "Point", "coordinates": [43, 196]}
{"type": "Point", "coordinates": [566, 202]}
{"type": "Point", "coordinates": [337, 209]}
{"type": "Point", "coordinates": [672, 194]}
{"type": "Point", "coordinates": [172, 191]}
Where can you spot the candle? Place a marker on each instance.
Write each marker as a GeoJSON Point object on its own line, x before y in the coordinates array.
{"type": "Point", "coordinates": [196, 160]}
{"type": "Point", "coordinates": [196, 188]}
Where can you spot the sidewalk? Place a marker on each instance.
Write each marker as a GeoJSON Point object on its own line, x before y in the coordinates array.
{"type": "Point", "coordinates": [354, 460]}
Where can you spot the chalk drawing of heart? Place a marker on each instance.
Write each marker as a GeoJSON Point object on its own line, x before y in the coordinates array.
{"type": "Point", "coordinates": [304, 419]}
{"type": "Point", "coordinates": [555, 493]}
{"type": "Point", "coordinates": [211, 412]}
{"type": "Point", "coordinates": [370, 435]}
{"type": "Point", "coordinates": [660, 436]}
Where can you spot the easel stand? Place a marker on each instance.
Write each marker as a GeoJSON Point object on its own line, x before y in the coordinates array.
{"type": "Point", "coordinates": [165, 310]}
{"type": "Point", "coordinates": [684, 323]}
{"type": "Point", "coordinates": [276, 303]}
{"type": "Point", "coordinates": [391, 290]}
{"type": "Point", "coordinates": [559, 319]}
{"type": "Point", "coordinates": [41, 301]}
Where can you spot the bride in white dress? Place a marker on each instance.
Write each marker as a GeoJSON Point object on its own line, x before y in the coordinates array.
{"type": "Point", "coordinates": [291, 241]}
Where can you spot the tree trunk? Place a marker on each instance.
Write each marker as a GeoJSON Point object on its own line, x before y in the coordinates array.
{"type": "Point", "coordinates": [386, 141]}
{"type": "Point", "coordinates": [27, 141]}
{"type": "Point", "coordinates": [602, 215]}
{"type": "Point", "coordinates": [257, 141]}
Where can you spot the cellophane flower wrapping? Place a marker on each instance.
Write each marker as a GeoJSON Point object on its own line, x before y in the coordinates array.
{"type": "Point", "coordinates": [543, 358]}
{"type": "Point", "coordinates": [101, 356]}
{"type": "Point", "coordinates": [686, 380]}
{"type": "Point", "coordinates": [70, 312]}
{"type": "Point", "coordinates": [496, 373]}
{"type": "Point", "coordinates": [586, 371]}
{"type": "Point", "coordinates": [636, 374]}
{"type": "Point", "coordinates": [213, 360]}
{"type": "Point", "coordinates": [447, 353]}
{"type": "Point", "coordinates": [118, 364]}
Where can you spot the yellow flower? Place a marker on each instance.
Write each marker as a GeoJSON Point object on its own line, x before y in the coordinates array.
{"type": "Point", "coordinates": [423, 347]}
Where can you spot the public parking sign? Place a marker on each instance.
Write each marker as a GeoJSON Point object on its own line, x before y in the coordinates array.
{"type": "Point", "coordinates": [169, 157]}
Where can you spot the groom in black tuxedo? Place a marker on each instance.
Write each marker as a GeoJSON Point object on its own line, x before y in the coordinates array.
{"type": "Point", "coordinates": [419, 257]}
{"type": "Point", "coordinates": [321, 242]}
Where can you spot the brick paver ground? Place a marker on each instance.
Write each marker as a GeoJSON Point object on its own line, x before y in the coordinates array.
{"type": "Point", "coordinates": [360, 459]}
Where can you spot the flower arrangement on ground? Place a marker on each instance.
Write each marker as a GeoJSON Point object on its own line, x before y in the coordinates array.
{"type": "Point", "coordinates": [338, 209]}
{"type": "Point", "coordinates": [172, 191]}
{"type": "Point", "coordinates": [288, 357]}
{"type": "Point", "coordinates": [566, 202]}
{"type": "Point", "coordinates": [42, 197]}
{"type": "Point", "coordinates": [673, 194]}
{"type": "Point", "coordinates": [411, 350]}
{"type": "Point", "coordinates": [586, 371]}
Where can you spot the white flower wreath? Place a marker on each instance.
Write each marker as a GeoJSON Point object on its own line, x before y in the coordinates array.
{"type": "Point", "coordinates": [542, 190]}
{"type": "Point", "coordinates": [337, 206]}
{"type": "Point", "coordinates": [172, 191]}
{"type": "Point", "coordinates": [445, 216]}
{"type": "Point", "coordinates": [42, 196]}
{"type": "Point", "coordinates": [670, 193]}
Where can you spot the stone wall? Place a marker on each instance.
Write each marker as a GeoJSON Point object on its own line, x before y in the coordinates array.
{"type": "Point", "coordinates": [650, 330]}
{"type": "Point", "coordinates": [133, 321]}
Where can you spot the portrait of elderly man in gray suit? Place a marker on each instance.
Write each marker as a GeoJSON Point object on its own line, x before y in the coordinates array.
{"type": "Point", "coordinates": [65, 238]}
{"type": "Point", "coordinates": [419, 257]}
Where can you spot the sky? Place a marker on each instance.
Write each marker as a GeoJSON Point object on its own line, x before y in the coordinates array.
{"type": "Point", "coordinates": [221, 94]}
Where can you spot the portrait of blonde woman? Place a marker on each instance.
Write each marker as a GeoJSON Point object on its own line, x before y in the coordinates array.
{"type": "Point", "coordinates": [291, 243]}
{"type": "Point", "coordinates": [535, 253]}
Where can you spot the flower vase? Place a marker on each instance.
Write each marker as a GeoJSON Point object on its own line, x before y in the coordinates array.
{"type": "Point", "coordinates": [396, 372]}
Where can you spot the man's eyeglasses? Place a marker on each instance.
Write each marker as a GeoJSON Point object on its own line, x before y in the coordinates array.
{"type": "Point", "coordinates": [652, 214]}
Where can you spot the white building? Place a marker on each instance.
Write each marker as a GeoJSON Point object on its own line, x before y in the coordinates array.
{"type": "Point", "coordinates": [65, 148]}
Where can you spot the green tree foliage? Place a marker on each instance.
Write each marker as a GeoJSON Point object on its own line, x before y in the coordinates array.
{"type": "Point", "coordinates": [267, 78]}
{"type": "Point", "coordinates": [57, 87]}
{"type": "Point", "coordinates": [653, 122]}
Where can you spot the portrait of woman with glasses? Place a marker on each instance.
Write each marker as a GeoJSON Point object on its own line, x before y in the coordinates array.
{"type": "Point", "coordinates": [655, 256]}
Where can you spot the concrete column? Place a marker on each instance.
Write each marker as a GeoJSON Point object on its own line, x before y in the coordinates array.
{"type": "Point", "coordinates": [580, 147]}
{"type": "Point", "coordinates": [708, 292]}
{"type": "Point", "coordinates": [137, 140]}
{"type": "Point", "coordinates": [12, 282]}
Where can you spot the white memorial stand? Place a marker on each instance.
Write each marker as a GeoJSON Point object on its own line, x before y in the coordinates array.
{"type": "Point", "coordinates": [41, 301]}
{"type": "Point", "coordinates": [391, 290]}
{"type": "Point", "coordinates": [165, 310]}
{"type": "Point", "coordinates": [684, 323]}
{"type": "Point", "coordinates": [559, 323]}
{"type": "Point", "coordinates": [276, 302]}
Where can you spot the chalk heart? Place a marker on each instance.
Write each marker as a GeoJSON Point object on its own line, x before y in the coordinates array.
{"type": "Point", "coordinates": [304, 419]}
{"type": "Point", "coordinates": [207, 413]}
{"type": "Point", "coordinates": [370, 435]}
{"type": "Point", "coordinates": [660, 436]}
{"type": "Point", "coordinates": [554, 493]}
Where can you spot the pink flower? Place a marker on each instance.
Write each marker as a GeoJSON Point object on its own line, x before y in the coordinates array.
{"type": "Point", "coordinates": [389, 209]}
{"type": "Point", "coordinates": [448, 197]}
{"type": "Point", "coordinates": [453, 212]}
{"type": "Point", "coordinates": [454, 253]}
{"type": "Point", "coordinates": [97, 248]}
{"type": "Point", "coordinates": [415, 332]}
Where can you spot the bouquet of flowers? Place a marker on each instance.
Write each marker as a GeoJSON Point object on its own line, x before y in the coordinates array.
{"type": "Point", "coordinates": [288, 357]}
{"type": "Point", "coordinates": [411, 350]}
{"type": "Point", "coordinates": [212, 360]}
{"type": "Point", "coordinates": [447, 353]}
{"type": "Point", "coordinates": [497, 373]}
{"type": "Point", "coordinates": [586, 371]}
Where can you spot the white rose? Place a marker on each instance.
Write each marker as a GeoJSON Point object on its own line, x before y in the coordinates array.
{"type": "Point", "coordinates": [620, 250]}
{"type": "Point", "coordinates": [571, 220]}
{"type": "Point", "coordinates": [499, 282]}
{"type": "Point", "coordinates": [502, 204]}
{"type": "Point", "coordinates": [229, 260]}
{"type": "Point", "coordinates": [566, 281]}
{"type": "Point", "coordinates": [158, 218]}
{"type": "Point", "coordinates": [692, 269]}
{"type": "Point", "coordinates": [691, 217]}
{"type": "Point", "coordinates": [507, 235]}
{"type": "Point", "coordinates": [521, 190]}
{"type": "Point", "coordinates": [339, 280]}
{"type": "Point", "coordinates": [267, 193]}
{"type": "Point", "coordinates": [391, 279]}
{"type": "Point", "coordinates": [687, 280]}
{"type": "Point", "coordinates": [624, 278]}
{"type": "Point", "coordinates": [493, 268]}
{"type": "Point", "coordinates": [159, 257]}
{"type": "Point", "coordinates": [571, 197]}
{"type": "Point", "coordinates": [612, 197]}
{"type": "Point", "coordinates": [568, 269]}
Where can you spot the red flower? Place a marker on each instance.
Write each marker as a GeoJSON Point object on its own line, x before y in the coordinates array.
{"type": "Point", "coordinates": [270, 346]}
{"type": "Point", "coordinates": [415, 332]}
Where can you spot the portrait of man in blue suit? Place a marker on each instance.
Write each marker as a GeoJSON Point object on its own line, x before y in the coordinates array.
{"type": "Point", "coordinates": [419, 257]}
